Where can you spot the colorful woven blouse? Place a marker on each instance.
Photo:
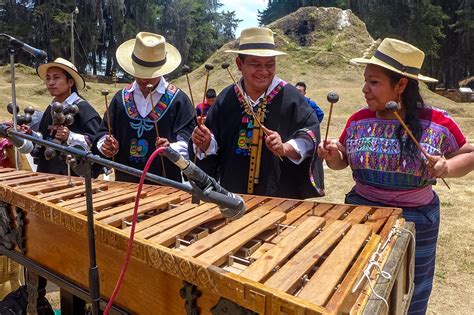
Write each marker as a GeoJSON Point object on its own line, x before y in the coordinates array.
{"type": "Point", "coordinates": [373, 148]}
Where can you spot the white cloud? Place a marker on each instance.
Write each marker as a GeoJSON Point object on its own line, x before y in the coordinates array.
{"type": "Point", "coordinates": [245, 10]}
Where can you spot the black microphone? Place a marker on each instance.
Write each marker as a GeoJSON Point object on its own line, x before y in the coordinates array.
{"type": "Point", "coordinates": [38, 53]}
{"type": "Point", "coordinates": [206, 183]}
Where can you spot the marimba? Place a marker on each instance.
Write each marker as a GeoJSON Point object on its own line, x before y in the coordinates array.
{"type": "Point", "coordinates": [282, 257]}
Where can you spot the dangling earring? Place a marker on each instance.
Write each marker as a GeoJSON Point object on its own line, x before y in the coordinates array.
{"type": "Point", "coordinates": [399, 101]}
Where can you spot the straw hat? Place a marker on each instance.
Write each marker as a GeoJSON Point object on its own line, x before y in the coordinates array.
{"type": "Point", "coordinates": [399, 57]}
{"type": "Point", "coordinates": [148, 56]}
{"type": "Point", "coordinates": [257, 41]}
{"type": "Point", "coordinates": [67, 66]}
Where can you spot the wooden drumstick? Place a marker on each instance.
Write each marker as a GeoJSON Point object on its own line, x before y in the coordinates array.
{"type": "Point", "coordinates": [332, 98]}
{"type": "Point", "coordinates": [150, 88]}
{"type": "Point", "coordinates": [208, 67]}
{"type": "Point", "coordinates": [225, 65]}
{"type": "Point", "coordinates": [105, 93]}
{"type": "Point", "coordinates": [393, 107]}
{"type": "Point", "coordinates": [187, 70]}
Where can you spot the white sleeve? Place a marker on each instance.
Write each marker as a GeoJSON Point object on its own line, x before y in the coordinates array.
{"type": "Point", "coordinates": [180, 146]}
{"type": "Point", "coordinates": [212, 149]}
{"type": "Point", "coordinates": [100, 143]}
{"type": "Point", "coordinates": [77, 139]}
{"type": "Point", "coordinates": [303, 146]}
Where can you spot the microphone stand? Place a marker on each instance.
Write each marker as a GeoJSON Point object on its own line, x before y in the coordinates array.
{"type": "Point", "coordinates": [12, 52]}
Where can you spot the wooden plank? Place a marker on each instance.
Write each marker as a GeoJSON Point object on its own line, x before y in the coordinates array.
{"type": "Point", "coordinates": [343, 298]}
{"type": "Point", "coordinates": [299, 215]}
{"type": "Point", "coordinates": [161, 217]}
{"type": "Point", "coordinates": [35, 189]}
{"type": "Point", "coordinates": [218, 254]}
{"type": "Point", "coordinates": [117, 200]}
{"type": "Point", "coordinates": [63, 194]}
{"type": "Point", "coordinates": [358, 214]}
{"type": "Point", "coordinates": [289, 275]}
{"type": "Point", "coordinates": [29, 180]}
{"type": "Point", "coordinates": [129, 206]}
{"type": "Point", "coordinates": [298, 212]}
{"type": "Point", "coordinates": [336, 213]}
{"type": "Point", "coordinates": [15, 175]}
{"type": "Point", "coordinates": [98, 196]}
{"type": "Point", "coordinates": [378, 218]}
{"type": "Point", "coordinates": [227, 231]}
{"type": "Point", "coordinates": [154, 204]}
{"type": "Point", "coordinates": [168, 237]}
{"type": "Point", "coordinates": [321, 285]}
{"type": "Point", "coordinates": [6, 170]}
{"type": "Point", "coordinates": [260, 269]}
{"type": "Point", "coordinates": [171, 222]}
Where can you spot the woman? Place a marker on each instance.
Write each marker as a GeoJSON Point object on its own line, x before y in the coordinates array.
{"type": "Point", "coordinates": [63, 82]}
{"type": "Point", "coordinates": [387, 166]}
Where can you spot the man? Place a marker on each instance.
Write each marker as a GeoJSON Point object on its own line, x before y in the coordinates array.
{"type": "Point", "coordinates": [203, 108]}
{"type": "Point", "coordinates": [301, 87]}
{"type": "Point", "coordinates": [133, 115]}
{"type": "Point", "coordinates": [231, 145]}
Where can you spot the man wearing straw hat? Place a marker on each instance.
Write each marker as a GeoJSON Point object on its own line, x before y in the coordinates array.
{"type": "Point", "coordinates": [259, 136]}
{"type": "Point", "coordinates": [141, 121]}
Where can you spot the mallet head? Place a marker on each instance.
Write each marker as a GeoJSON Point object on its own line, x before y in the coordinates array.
{"type": "Point", "coordinates": [105, 92]}
{"type": "Point", "coordinates": [186, 69]}
{"type": "Point", "coordinates": [333, 97]}
{"type": "Point", "coordinates": [225, 65]}
{"type": "Point", "coordinates": [149, 87]}
{"type": "Point", "coordinates": [391, 106]}
{"type": "Point", "coordinates": [208, 66]}
{"type": "Point", "coordinates": [29, 110]}
{"type": "Point", "coordinates": [10, 108]}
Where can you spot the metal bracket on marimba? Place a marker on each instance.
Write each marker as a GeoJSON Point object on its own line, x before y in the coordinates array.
{"type": "Point", "coordinates": [225, 306]}
{"type": "Point", "coordinates": [190, 294]}
{"type": "Point", "coordinates": [11, 236]}
{"type": "Point", "coordinates": [195, 235]}
{"type": "Point", "coordinates": [247, 261]}
{"type": "Point", "coordinates": [286, 226]}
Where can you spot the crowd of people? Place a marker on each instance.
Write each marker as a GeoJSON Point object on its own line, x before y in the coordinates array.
{"type": "Point", "coordinates": [262, 135]}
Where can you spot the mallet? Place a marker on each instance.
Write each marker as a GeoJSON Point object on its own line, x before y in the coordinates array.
{"type": "Point", "coordinates": [150, 88]}
{"type": "Point", "coordinates": [105, 93]}
{"type": "Point", "coordinates": [332, 98]}
{"type": "Point", "coordinates": [208, 67]}
{"type": "Point", "coordinates": [226, 66]}
{"type": "Point", "coordinates": [393, 107]}
{"type": "Point", "coordinates": [186, 70]}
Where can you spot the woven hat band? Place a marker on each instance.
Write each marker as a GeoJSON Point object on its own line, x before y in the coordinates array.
{"type": "Point", "coordinates": [394, 63]}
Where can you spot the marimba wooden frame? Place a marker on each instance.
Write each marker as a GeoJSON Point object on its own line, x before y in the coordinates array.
{"type": "Point", "coordinates": [57, 240]}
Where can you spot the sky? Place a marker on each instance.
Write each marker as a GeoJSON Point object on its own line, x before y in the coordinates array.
{"type": "Point", "coordinates": [245, 10]}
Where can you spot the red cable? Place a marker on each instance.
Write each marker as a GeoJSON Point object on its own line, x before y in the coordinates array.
{"type": "Point", "coordinates": [132, 231]}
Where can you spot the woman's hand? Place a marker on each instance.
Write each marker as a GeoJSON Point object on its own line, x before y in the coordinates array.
{"type": "Point", "coordinates": [438, 166]}
{"type": "Point", "coordinates": [110, 146]}
{"type": "Point", "coordinates": [62, 133]}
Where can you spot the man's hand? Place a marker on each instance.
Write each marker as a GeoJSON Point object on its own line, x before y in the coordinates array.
{"type": "Point", "coordinates": [277, 147]}
{"type": "Point", "coordinates": [201, 136]}
{"type": "Point", "coordinates": [62, 133]}
{"type": "Point", "coordinates": [162, 142]}
{"type": "Point", "coordinates": [110, 146]}
{"type": "Point", "coordinates": [328, 150]}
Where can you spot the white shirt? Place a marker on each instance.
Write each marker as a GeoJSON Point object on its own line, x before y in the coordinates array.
{"type": "Point", "coordinates": [303, 146]}
{"type": "Point", "coordinates": [144, 107]}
